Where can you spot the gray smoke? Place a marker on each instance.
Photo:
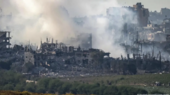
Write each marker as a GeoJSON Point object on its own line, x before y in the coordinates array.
{"type": "Point", "coordinates": [33, 20]}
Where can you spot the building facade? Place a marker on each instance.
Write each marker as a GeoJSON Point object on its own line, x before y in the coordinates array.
{"type": "Point", "coordinates": [29, 57]}
{"type": "Point", "coordinates": [136, 12]}
{"type": "Point", "coordinates": [5, 39]}
{"type": "Point", "coordinates": [142, 14]}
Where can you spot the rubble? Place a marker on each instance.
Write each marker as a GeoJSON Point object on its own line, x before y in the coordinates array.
{"type": "Point", "coordinates": [146, 45]}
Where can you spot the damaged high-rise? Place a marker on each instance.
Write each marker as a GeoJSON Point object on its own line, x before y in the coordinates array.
{"type": "Point", "coordinates": [5, 39]}
{"type": "Point", "coordinates": [142, 14]}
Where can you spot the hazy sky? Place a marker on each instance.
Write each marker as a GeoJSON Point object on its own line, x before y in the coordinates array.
{"type": "Point", "coordinates": [151, 4]}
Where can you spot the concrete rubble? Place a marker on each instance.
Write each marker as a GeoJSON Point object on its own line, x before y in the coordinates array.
{"type": "Point", "coordinates": [145, 52]}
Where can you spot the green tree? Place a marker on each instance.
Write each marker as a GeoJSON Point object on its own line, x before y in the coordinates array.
{"type": "Point", "coordinates": [8, 87]}
{"type": "Point", "coordinates": [53, 85]}
{"type": "Point", "coordinates": [44, 82]}
{"type": "Point", "coordinates": [41, 90]}
{"type": "Point", "coordinates": [65, 88]}
{"type": "Point", "coordinates": [5, 65]}
{"type": "Point", "coordinates": [74, 90]}
{"type": "Point", "coordinates": [28, 67]}
{"type": "Point", "coordinates": [19, 87]}
{"type": "Point", "coordinates": [30, 87]}
{"type": "Point", "coordinates": [17, 68]}
{"type": "Point", "coordinates": [156, 92]}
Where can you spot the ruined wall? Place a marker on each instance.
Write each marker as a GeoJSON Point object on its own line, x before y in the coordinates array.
{"type": "Point", "coordinates": [29, 58]}
{"type": "Point", "coordinates": [83, 56]}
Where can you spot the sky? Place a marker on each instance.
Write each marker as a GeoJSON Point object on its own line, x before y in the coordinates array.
{"type": "Point", "coordinates": [152, 5]}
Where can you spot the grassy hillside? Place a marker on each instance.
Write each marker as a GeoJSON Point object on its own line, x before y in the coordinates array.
{"type": "Point", "coordinates": [102, 85]}
{"type": "Point", "coordinates": [145, 81]}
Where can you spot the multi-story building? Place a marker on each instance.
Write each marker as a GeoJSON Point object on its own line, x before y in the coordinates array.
{"type": "Point", "coordinates": [165, 12]}
{"type": "Point", "coordinates": [5, 39]}
{"type": "Point", "coordinates": [142, 14]}
{"type": "Point", "coordinates": [137, 10]}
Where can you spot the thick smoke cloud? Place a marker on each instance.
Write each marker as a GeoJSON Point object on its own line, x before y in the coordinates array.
{"type": "Point", "coordinates": [33, 20]}
{"type": "Point", "coordinates": [36, 19]}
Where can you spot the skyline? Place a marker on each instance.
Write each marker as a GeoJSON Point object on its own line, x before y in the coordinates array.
{"type": "Point", "coordinates": [157, 5]}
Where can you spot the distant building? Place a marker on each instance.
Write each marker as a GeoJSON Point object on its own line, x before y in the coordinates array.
{"type": "Point", "coordinates": [157, 17]}
{"type": "Point", "coordinates": [83, 57]}
{"type": "Point", "coordinates": [86, 56]}
{"type": "Point", "coordinates": [29, 56]}
{"type": "Point", "coordinates": [138, 9]}
{"type": "Point", "coordinates": [166, 25]}
{"type": "Point", "coordinates": [47, 46]}
{"type": "Point", "coordinates": [5, 39]}
{"type": "Point", "coordinates": [143, 14]}
{"type": "Point", "coordinates": [165, 12]}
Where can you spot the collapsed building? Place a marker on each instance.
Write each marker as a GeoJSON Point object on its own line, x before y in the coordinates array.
{"type": "Point", "coordinates": [148, 45]}
{"type": "Point", "coordinates": [62, 57]}
{"type": "Point", "coordinates": [149, 48]}
{"type": "Point", "coordinates": [58, 54]}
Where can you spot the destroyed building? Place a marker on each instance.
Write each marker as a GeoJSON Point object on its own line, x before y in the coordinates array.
{"type": "Point", "coordinates": [138, 9]}
{"type": "Point", "coordinates": [48, 46]}
{"type": "Point", "coordinates": [143, 14]}
{"type": "Point", "coordinates": [5, 39]}
{"type": "Point", "coordinates": [86, 56]}
{"type": "Point", "coordinates": [5, 50]}
{"type": "Point", "coordinates": [58, 53]}
{"type": "Point", "coordinates": [65, 57]}
{"type": "Point", "coordinates": [166, 25]}
{"type": "Point", "coordinates": [29, 56]}
{"type": "Point", "coordinates": [60, 56]}
{"type": "Point", "coordinates": [157, 17]}
{"type": "Point", "coordinates": [152, 41]}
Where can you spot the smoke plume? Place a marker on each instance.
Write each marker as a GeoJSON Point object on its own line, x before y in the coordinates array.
{"type": "Point", "coordinates": [33, 20]}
